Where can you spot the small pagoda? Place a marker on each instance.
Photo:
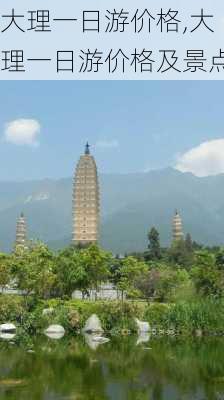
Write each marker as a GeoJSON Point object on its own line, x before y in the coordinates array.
{"type": "Point", "coordinates": [177, 227]}
{"type": "Point", "coordinates": [21, 232]}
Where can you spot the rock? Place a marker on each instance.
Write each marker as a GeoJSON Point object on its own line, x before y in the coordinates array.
{"type": "Point", "coordinates": [93, 324]}
{"type": "Point", "coordinates": [198, 333]}
{"type": "Point", "coordinates": [55, 332]}
{"type": "Point", "coordinates": [47, 311]}
{"type": "Point", "coordinates": [142, 325]}
{"type": "Point", "coordinates": [7, 327]}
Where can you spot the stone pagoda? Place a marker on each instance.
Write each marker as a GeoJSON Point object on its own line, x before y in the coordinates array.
{"type": "Point", "coordinates": [86, 201]}
{"type": "Point", "coordinates": [177, 227]}
{"type": "Point", "coordinates": [21, 231]}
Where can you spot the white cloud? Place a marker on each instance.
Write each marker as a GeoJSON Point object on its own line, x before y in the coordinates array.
{"type": "Point", "coordinates": [203, 160]}
{"type": "Point", "coordinates": [107, 144]}
{"type": "Point", "coordinates": [22, 132]}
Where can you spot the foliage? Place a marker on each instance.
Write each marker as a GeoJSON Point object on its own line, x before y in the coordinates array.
{"type": "Point", "coordinates": [97, 265]}
{"type": "Point", "coordinates": [154, 252]}
{"type": "Point", "coordinates": [183, 289]}
{"type": "Point", "coordinates": [181, 253]}
{"type": "Point", "coordinates": [129, 274]}
{"type": "Point", "coordinates": [71, 274]}
{"type": "Point", "coordinates": [81, 269]}
{"type": "Point", "coordinates": [207, 275]}
{"type": "Point", "coordinates": [5, 270]}
{"type": "Point", "coordinates": [184, 317]}
{"type": "Point", "coordinates": [33, 270]}
{"type": "Point", "coordinates": [11, 308]}
{"type": "Point", "coordinates": [171, 281]}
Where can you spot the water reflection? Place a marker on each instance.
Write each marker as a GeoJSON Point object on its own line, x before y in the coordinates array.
{"type": "Point", "coordinates": [143, 337]}
{"type": "Point", "coordinates": [93, 340]}
{"type": "Point", "coordinates": [70, 369]}
{"type": "Point", "coordinates": [55, 335]}
{"type": "Point", "coordinates": [7, 335]}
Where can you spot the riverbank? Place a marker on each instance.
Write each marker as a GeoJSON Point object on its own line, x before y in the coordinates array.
{"type": "Point", "coordinates": [182, 318]}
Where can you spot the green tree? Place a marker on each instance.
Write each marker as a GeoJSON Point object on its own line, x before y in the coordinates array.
{"type": "Point", "coordinates": [148, 283]}
{"type": "Point", "coordinates": [33, 270]}
{"type": "Point", "coordinates": [219, 259]}
{"type": "Point", "coordinates": [82, 269]}
{"type": "Point", "coordinates": [96, 263]}
{"type": "Point", "coordinates": [130, 272]}
{"type": "Point", "coordinates": [171, 283]}
{"type": "Point", "coordinates": [71, 272]}
{"type": "Point", "coordinates": [189, 243]}
{"type": "Point", "coordinates": [5, 270]}
{"type": "Point", "coordinates": [154, 252]}
{"type": "Point", "coordinates": [180, 255]}
{"type": "Point", "coordinates": [207, 277]}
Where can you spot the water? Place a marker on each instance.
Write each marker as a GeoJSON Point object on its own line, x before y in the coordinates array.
{"type": "Point", "coordinates": [68, 369]}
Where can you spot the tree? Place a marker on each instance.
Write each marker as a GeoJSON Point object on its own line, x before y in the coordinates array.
{"type": "Point", "coordinates": [5, 270]}
{"type": "Point", "coordinates": [171, 283]}
{"type": "Point", "coordinates": [207, 277]}
{"type": "Point", "coordinates": [219, 259]}
{"type": "Point", "coordinates": [130, 273]}
{"type": "Point", "coordinates": [71, 272]}
{"type": "Point", "coordinates": [154, 245]}
{"type": "Point", "coordinates": [33, 270]}
{"type": "Point", "coordinates": [96, 263]}
{"type": "Point", "coordinates": [148, 282]}
{"type": "Point", "coordinates": [189, 243]}
{"type": "Point", "coordinates": [81, 269]}
{"type": "Point", "coordinates": [180, 255]}
{"type": "Point", "coordinates": [115, 268]}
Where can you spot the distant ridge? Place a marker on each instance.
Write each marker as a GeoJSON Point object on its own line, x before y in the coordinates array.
{"type": "Point", "coordinates": [130, 203]}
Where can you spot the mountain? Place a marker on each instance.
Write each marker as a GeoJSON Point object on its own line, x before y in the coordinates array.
{"type": "Point", "coordinates": [130, 205]}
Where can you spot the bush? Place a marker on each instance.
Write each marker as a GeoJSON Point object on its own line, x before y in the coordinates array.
{"type": "Point", "coordinates": [116, 317]}
{"type": "Point", "coordinates": [11, 308]}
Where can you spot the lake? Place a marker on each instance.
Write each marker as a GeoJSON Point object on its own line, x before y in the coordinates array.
{"type": "Point", "coordinates": [78, 368]}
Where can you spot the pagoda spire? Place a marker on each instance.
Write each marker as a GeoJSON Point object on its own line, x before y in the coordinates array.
{"type": "Point", "coordinates": [87, 149]}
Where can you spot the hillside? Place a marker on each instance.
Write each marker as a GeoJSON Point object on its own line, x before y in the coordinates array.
{"type": "Point", "coordinates": [130, 205]}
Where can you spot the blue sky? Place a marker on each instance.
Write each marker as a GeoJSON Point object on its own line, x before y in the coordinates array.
{"type": "Point", "coordinates": [132, 126]}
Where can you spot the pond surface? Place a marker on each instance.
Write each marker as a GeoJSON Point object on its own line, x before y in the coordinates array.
{"type": "Point", "coordinates": [81, 369]}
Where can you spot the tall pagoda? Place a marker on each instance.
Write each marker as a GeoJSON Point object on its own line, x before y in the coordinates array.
{"type": "Point", "coordinates": [86, 200]}
{"type": "Point", "coordinates": [177, 227]}
{"type": "Point", "coordinates": [21, 231]}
